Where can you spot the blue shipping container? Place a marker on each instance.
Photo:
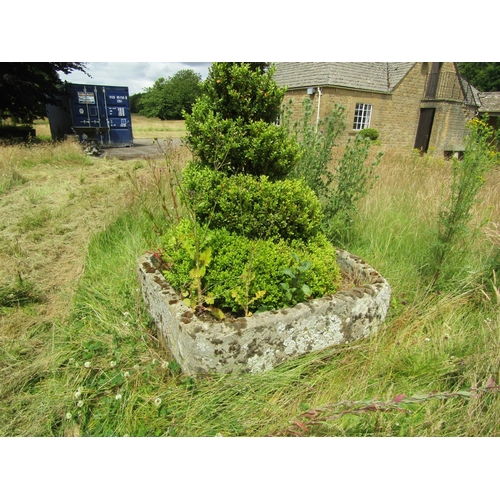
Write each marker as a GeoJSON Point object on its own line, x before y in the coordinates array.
{"type": "Point", "coordinates": [96, 112]}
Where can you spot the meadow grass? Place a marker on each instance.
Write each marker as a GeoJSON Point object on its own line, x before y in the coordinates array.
{"type": "Point", "coordinates": [145, 128]}
{"type": "Point", "coordinates": [83, 359]}
{"type": "Point", "coordinates": [142, 128]}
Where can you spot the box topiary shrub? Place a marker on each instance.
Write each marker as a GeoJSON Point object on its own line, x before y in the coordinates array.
{"type": "Point", "coordinates": [231, 127]}
{"type": "Point", "coordinates": [371, 133]}
{"type": "Point", "coordinates": [244, 274]}
{"type": "Point", "coordinates": [251, 206]}
{"type": "Point", "coordinates": [251, 238]}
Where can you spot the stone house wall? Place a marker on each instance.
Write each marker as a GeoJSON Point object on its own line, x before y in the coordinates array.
{"type": "Point", "coordinates": [396, 115]}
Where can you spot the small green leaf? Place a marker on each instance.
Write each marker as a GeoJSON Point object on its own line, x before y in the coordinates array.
{"type": "Point", "coordinates": [197, 273]}
{"type": "Point", "coordinates": [288, 272]}
{"type": "Point", "coordinates": [216, 312]}
{"type": "Point", "coordinates": [305, 266]}
{"type": "Point", "coordinates": [206, 256]}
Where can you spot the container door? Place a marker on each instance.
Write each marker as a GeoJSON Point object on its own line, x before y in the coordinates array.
{"type": "Point", "coordinates": [118, 115]}
{"type": "Point", "coordinates": [85, 107]}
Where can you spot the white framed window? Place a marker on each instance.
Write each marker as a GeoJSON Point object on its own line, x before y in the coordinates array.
{"type": "Point", "coordinates": [362, 116]}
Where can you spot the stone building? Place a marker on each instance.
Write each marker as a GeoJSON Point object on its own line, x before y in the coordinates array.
{"type": "Point", "coordinates": [412, 105]}
{"type": "Point", "coordinates": [490, 105]}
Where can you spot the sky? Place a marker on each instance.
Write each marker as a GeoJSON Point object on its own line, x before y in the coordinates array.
{"type": "Point", "coordinates": [135, 75]}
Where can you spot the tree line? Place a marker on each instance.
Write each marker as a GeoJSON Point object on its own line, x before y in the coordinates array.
{"type": "Point", "coordinates": [485, 76]}
{"type": "Point", "coordinates": [169, 97]}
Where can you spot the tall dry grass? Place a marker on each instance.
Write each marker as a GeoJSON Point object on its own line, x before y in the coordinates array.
{"type": "Point", "coordinates": [145, 128]}
{"type": "Point", "coordinates": [86, 361]}
{"type": "Point", "coordinates": [46, 223]}
{"type": "Point", "coordinates": [142, 128]}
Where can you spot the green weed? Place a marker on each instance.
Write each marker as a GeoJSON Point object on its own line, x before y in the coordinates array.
{"type": "Point", "coordinates": [21, 293]}
{"type": "Point", "coordinates": [340, 184]}
{"type": "Point", "coordinates": [454, 231]}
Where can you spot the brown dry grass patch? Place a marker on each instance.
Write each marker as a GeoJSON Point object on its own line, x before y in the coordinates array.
{"type": "Point", "coordinates": [47, 222]}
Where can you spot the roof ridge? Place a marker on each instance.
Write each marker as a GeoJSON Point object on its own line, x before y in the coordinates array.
{"type": "Point", "coordinates": [373, 76]}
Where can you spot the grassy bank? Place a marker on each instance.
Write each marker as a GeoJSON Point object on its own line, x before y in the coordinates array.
{"type": "Point", "coordinates": [79, 355]}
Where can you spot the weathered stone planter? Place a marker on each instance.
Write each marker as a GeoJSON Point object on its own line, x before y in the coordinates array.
{"type": "Point", "coordinates": [260, 342]}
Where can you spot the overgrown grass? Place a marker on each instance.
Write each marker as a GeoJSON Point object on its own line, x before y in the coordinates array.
{"type": "Point", "coordinates": [142, 128]}
{"type": "Point", "coordinates": [91, 365]}
{"type": "Point", "coordinates": [10, 178]}
{"type": "Point", "coordinates": [19, 293]}
{"type": "Point", "coordinates": [42, 128]}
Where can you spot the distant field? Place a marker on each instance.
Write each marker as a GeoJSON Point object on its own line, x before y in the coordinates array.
{"type": "Point", "coordinates": [142, 128]}
{"type": "Point", "coordinates": [42, 128]}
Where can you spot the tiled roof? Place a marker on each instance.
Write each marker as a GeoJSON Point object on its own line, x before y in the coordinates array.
{"type": "Point", "coordinates": [490, 102]}
{"type": "Point", "coordinates": [472, 95]}
{"type": "Point", "coordinates": [372, 76]}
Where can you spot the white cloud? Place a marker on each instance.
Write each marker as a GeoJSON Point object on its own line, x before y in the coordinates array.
{"type": "Point", "coordinates": [135, 75]}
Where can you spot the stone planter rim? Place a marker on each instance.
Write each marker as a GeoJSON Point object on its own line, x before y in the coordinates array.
{"type": "Point", "coordinates": [262, 341]}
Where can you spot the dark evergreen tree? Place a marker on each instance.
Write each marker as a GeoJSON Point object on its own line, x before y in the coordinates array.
{"type": "Point", "coordinates": [26, 88]}
{"type": "Point", "coordinates": [485, 76]}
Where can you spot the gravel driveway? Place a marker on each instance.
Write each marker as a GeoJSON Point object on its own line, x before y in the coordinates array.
{"type": "Point", "coordinates": [141, 148]}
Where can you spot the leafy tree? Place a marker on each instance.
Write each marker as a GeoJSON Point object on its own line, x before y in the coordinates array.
{"type": "Point", "coordinates": [485, 76]}
{"type": "Point", "coordinates": [136, 103]}
{"type": "Point", "coordinates": [26, 88]}
{"type": "Point", "coordinates": [168, 98]}
{"type": "Point", "coordinates": [232, 123]}
{"type": "Point", "coordinates": [152, 100]}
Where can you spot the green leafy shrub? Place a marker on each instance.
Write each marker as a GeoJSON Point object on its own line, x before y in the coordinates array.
{"type": "Point", "coordinates": [454, 232]}
{"type": "Point", "coordinates": [317, 140]}
{"type": "Point", "coordinates": [241, 267]}
{"type": "Point", "coordinates": [371, 133]}
{"type": "Point", "coordinates": [341, 184]}
{"type": "Point", "coordinates": [245, 220]}
{"type": "Point", "coordinates": [257, 148]}
{"type": "Point", "coordinates": [255, 207]}
{"type": "Point", "coordinates": [244, 90]}
{"type": "Point", "coordinates": [231, 126]}
{"type": "Point", "coordinates": [352, 179]}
